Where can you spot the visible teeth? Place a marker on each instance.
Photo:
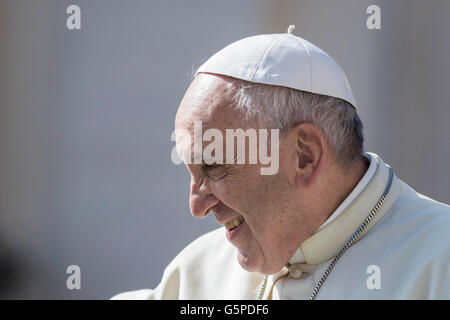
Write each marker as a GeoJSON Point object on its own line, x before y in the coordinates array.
{"type": "Point", "coordinates": [234, 223]}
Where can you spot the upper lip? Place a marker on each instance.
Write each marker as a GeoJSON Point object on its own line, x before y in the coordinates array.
{"type": "Point", "coordinates": [222, 218]}
{"type": "Point", "coordinates": [224, 221]}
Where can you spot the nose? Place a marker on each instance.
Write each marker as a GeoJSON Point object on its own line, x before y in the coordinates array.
{"type": "Point", "coordinates": [201, 199]}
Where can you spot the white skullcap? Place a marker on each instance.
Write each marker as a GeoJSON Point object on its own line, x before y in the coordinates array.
{"type": "Point", "coordinates": [282, 60]}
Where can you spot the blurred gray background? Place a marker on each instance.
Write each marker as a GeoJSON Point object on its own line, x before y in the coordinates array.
{"type": "Point", "coordinates": [86, 117]}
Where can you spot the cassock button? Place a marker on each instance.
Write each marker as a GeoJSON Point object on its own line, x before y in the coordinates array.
{"type": "Point", "coordinates": [295, 271]}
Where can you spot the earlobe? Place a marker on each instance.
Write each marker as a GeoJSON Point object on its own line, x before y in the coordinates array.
{"type": "Point", "coordinates": [305, 169]}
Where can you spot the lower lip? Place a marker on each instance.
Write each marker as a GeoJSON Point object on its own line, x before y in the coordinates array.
{"type": "Point", "coordinates": [231, 234]}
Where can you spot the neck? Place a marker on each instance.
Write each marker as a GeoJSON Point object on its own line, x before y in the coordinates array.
{"type": "Point", "coordinates": [349, 179]}
{"type": "Point", "coordinates": [342, 184]}
{"type": "Point", "coordinates": [339, 186]}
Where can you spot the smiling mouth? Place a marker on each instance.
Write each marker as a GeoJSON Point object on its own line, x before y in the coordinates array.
{"type": "Point", "coordinates": [234, 223]}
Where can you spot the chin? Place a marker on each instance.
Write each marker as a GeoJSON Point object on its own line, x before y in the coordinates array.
{"type": "Point", "coordinates": [249, 263]}
{"type": "Point", "coordinates": [256, 264]}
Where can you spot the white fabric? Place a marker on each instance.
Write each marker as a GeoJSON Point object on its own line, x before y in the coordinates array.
{"type": "Point", "coordinates": [282, 60]}
{"type": "Point", "coordinates": [408, 240]}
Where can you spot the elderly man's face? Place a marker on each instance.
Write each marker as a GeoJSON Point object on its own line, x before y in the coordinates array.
{"type": "Point", "coordinates": [268, 204]}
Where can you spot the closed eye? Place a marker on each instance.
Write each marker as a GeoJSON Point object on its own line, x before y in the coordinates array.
{"type": "Point", "coordinates": [214, 171]}
{"type": "Point", "coordinates": [210, 166]}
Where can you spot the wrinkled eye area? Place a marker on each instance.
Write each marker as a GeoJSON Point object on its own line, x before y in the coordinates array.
{"type": "Point", "coordinates": [214, 171]}
{"type": "Point", "coordinates": [210, 166]}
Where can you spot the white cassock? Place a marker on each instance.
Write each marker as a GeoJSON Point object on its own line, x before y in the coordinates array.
{"type": "Point", "coordinates": [403, 253]}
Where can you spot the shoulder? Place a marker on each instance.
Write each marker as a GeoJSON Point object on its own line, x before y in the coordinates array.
{"type": "Point", "coordinates": [195, 272]}
{"type": "Point", "coordinates": [422, 211]}
{"type": "Point", "coordinates": [411, 245]}
{"type": "Point", "coordinates": [418, 224]}
{"type": "Point", "coordinates": [143, 294]}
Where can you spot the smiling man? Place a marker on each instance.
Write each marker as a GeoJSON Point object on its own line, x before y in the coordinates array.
{"type": "Point", "coordinates": [332, 222]}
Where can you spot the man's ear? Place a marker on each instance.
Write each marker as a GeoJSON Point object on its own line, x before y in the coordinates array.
{"type": "Point", "coordinates": [309, 151]}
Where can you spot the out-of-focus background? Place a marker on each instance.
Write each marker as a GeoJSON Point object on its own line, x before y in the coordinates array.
{"type": "Point", "coordinates": [86, 118]}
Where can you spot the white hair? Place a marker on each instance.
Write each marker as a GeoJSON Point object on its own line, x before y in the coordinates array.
{"type": "Point", "coordinates": [284, 108]}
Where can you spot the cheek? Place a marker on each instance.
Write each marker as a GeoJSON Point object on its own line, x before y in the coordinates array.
{"type": "Point", "coordinates": [271, 201]}
{"type": "Point", "coordinates": [259, 198]}
{"type": "Point", "coordinates": [237, 183]}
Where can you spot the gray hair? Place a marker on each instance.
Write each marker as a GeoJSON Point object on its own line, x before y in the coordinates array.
{"type": "Point", "coordinates": [284, 108]}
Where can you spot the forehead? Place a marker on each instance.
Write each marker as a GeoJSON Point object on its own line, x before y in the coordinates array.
{"type": "Point", "coordinates": [208, 99]}
{"type": "Point", "coordinates": [208, 102]}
